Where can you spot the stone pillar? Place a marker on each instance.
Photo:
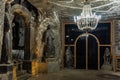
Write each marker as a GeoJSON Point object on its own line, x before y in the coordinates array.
{"type": "Point", "coordinates": [28, 60]}
{"type": "Point", "coordinates": [27, 44]}
{"type": "Point", "coordinates": [27, 63]}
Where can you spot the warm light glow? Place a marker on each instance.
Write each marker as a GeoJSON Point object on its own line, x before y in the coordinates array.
{"type": "Point", "coordinates": [87, 20]}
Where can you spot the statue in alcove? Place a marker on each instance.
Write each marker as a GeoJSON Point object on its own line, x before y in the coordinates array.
{"type": "Point", "coordinates": [18, 32]}
{"type": "Point", "coordinates": [107, 60]}
{"type": "Point", "coordinates": [69, 57]}
{"type": "Point", "coordinates": [6, 53]}
{"type": "Point", "coordinates": [107, 56]}
{"type": "Point", "coordinates": [21, 37]}
{"type": "Point", "coordinates": [49, 43]}
{"type": "Point", "coordinates": [18, 37]}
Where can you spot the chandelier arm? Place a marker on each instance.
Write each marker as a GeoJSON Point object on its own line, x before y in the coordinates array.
{"type": "Point", "coordinates": [87, 20]}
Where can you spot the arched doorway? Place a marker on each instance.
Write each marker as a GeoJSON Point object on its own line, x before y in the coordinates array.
{"type": "Point", "coordinates": [87, 52]}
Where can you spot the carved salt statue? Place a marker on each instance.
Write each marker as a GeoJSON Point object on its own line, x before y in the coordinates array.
{"type": "Point", "coordinates": [6, 42]}
{"type": "Point", "coordinates": [49, 43]}
{"type": "Point", "coordinates": [106, 56]}
{"type": "Point", "coordinates": [8, 38]}
{"type": "Point", "coordinates": [107, 60]}
{"type": "Point", "coordinates": [21, 37]}
{"type": "Point", "coordinates": [6, 49]}
{"type": "Point", "coordinates": [69, 57]}
{"type": "Point", "coordinates": [52, 44]}
{"type": "Point", "coordinates": [2, 12]}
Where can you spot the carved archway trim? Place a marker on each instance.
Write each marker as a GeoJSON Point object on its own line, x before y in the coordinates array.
{"type": "Point", "coordinates": [90, 35]}
{"type": "Point", "coordinates": [21, 10]}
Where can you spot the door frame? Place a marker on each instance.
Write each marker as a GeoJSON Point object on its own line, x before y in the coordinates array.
{"type": "Point", "coordinates": [111, 45]}
{"type": "Point", "coordinates": [87, 34]}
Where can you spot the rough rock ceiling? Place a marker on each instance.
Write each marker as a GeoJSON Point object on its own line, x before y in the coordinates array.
{"type": "Point", "coordinates": [106, 8]}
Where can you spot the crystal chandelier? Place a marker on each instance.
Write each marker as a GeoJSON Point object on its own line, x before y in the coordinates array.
{"type": "Point", "coordinates": [87, 20]}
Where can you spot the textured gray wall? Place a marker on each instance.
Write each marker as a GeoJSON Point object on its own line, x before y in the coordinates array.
{"type": "Point", "coordinates": [117, 36]}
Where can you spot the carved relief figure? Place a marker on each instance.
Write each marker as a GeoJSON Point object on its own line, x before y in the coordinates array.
{"type": "Point", "coordinates": [21, 37]}
{"type": "Point", "coordinates": [6, 46]}
{"type": "Point", "coordinates": [2, 13]}
{"type": "Point", "coordinates": [18, 32]}
{"type": "Point", "coordinates": [6, 54]}
{"type": "Point", "coordinates": [49, 43]}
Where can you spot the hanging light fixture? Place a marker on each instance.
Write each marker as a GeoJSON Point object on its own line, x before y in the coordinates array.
{"type": "Point", "coordinates": [87, 20]}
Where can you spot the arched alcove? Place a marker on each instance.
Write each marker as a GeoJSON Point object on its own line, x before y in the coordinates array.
{"type": "Point", "coordinates": [21, 27]}
{"type": "Point", "coordinates": [18, 35]}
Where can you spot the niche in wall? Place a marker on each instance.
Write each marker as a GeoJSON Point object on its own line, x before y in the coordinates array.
{"type": "Point", "coordinates": [18, 36]}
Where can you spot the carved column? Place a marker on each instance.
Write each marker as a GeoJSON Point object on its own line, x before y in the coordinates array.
{"type": "Point", "coordinates": [27, 44]}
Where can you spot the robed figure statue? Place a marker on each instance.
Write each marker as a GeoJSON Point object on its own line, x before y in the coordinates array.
{"type": "Point", "coordinates": [49, 43]}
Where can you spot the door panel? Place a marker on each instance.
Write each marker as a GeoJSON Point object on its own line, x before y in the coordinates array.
{"type": "Point", "coordinates": [81, 53]}
{"type": "Point", "coordinates": [92, 53]}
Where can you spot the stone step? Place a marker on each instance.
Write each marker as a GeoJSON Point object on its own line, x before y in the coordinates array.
{"type": "Point", "coordinates": [19, 73]}
{"type": "Point", "coordinates": [23, 75]}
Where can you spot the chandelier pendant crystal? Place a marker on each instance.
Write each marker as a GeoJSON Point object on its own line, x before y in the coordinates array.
{"type": "Point", "coordinates": [87, 20]}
